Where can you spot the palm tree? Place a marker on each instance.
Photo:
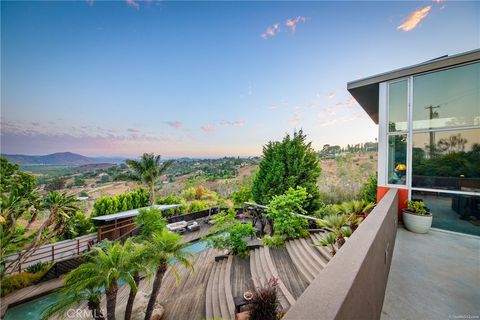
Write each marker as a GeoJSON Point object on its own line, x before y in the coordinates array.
{"type": "Point", "coordinates": [164, 247]}
{"type": "Point", "coordinates": [61, 207]}
{"type": "Point", "coordinates": [105, 267]}
{"type": "Point", "coordinates": [356, 206]}
{"type": "Point", "coordinates": [336, 223]}
{"type": "Point", "coordinates": [148, 169]}
{"type": "Point", "coordinates": [136, 264]}
{"type": "Point", "coordinates": [71, 296]}
{"type": "Point", "coordinates": [328, 240]}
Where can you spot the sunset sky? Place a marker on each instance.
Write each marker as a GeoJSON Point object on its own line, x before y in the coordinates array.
{"type": "Point", "coordinates": [206, 78]}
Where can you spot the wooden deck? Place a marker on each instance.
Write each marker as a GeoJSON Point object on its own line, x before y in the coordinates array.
{"type": "Point", "coordinates": [193, 293]}
{"type": "Point", "coordinates": [30, 293]}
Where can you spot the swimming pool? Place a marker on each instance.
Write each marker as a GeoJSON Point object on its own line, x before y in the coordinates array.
{"type": "Point", "coordinates": [32, 309]}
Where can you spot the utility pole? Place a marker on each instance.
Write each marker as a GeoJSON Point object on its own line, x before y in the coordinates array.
{"type": "Point", "coordinates": [433, 115]}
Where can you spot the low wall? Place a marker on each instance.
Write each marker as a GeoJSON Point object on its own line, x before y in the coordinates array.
{"type": "Point", "coordinates": [352, 286]}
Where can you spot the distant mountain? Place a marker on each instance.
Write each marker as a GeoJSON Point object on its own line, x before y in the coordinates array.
{"type": "Point", "coordinates": [59, 159]}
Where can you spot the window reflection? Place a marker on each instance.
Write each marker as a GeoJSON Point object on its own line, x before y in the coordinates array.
{"type": "Point", "coordinates": [447, 98]}
{"type": "Point", "coordinates": [397, 159]}
{"type": "Point", "coordinates": [454, 212]}
{"type": "Point", "coordinates": [397, 102]}
{"type": "Point", "coordinates": [447, 160]}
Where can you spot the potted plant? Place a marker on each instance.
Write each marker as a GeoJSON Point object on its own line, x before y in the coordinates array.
{"type": "Point", "coordinates": [416, 217]}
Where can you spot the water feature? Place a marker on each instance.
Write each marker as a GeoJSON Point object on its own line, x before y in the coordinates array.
{"type": "Point", "coordinates": [32, 310]}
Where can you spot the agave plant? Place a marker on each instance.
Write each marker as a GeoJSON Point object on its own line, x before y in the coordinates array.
{"type": "Point", "coordinates": [329, 240]}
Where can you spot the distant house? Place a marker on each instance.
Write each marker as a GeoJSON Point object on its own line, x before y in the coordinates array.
{"type": "Point", "coordinates": [429, 135]}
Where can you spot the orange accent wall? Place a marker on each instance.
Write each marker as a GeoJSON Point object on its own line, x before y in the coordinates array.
{"type": "Point", "coordinates": [402, 198]}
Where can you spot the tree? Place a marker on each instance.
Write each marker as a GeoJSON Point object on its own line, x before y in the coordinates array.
{"type": "Point", "coordinates": [105, 266]}
{"type": "Point", "coordinates": [55, 184]}
{"type": "Point", "coordinates": [149, 221]}
{"type": "Point", "coordinates": [17, 197]}
{"type": "Point", "coordinates": [164, 248]}
{"type": "Point", "coordinates": [148, 169]}
{"type": "Point", "coordinates": [288, 164]}
{"type": "Point", "coordinates": [60, 207]}
{"type": "Point", "coordinates": [137, 256]}
{"type": "Point", "coordinates": [72, 295]}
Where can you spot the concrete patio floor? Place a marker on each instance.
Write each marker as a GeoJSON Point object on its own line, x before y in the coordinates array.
{"type": "Point", "coordinates": [433, 276]}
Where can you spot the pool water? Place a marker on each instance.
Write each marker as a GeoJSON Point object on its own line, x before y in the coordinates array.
{"type": "Point", "coordinates": [33, 309]}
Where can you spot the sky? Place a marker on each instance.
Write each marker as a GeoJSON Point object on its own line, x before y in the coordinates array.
{"type": "Point", "coordinates": [206, 79]}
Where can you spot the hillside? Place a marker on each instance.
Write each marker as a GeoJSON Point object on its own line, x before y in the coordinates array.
{"type": "Point", "coordinates": [59, 159]}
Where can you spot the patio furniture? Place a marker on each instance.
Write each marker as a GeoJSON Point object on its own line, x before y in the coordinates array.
{"type": "Point", "coordinates": [177, 226]}
{"type": "Point", "coordinates": [193, 226]}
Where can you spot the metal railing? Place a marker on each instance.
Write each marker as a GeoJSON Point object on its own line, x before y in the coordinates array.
{"type": "Point", "coordinates": [53, 252]}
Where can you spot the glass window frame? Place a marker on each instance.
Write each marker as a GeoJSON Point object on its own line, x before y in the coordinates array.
{"type": "Point", "coordinates": [409, 132]}
{"type": "Point", "coordinates": [406, 133]}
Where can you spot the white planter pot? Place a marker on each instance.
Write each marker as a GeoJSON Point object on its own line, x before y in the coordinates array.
{"type": "Point", "coordinates": [417, 223]}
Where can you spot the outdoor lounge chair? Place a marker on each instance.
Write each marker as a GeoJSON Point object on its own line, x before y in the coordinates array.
{"type": "Point", "coordinates": [177, 226]}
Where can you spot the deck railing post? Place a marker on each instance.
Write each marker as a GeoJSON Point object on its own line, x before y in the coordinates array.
{"type": "Point", "coordinates": [53, 253]}
{"type": "Point", "coordinates": [78, 246]}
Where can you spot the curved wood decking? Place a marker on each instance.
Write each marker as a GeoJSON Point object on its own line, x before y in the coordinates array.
{"type": "Point", "coordinates": [208, 292]}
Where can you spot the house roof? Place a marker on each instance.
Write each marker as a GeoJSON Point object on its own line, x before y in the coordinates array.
{"type": "Point", "coordinates": [132, 213]}
{"type": "Point", "coordinates": [365, 90]}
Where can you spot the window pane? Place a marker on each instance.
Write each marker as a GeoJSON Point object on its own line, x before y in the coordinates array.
{"type": "Point", "coordinates": [397, 106]}
{"type": "Point", "coordinates": [454, 212]}
{"type": "Point", "coordinates": [447, 160]}
{"type": "Point", "coordinates": [448, 98]}
{"type": "Point", "coordinates": [397, 159]}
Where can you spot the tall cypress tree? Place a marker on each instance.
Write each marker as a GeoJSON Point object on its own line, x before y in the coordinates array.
{"type": "Point", "coordinates": [288, 163]}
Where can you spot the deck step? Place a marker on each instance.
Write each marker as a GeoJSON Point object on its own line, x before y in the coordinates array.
{"type": "Point", "coordinates": [219, 302]}
{"type": "Point", "coordinates": [299, 262]}
{"type": "Point", "coordinates": [324, 251]}
{"type": "Point", "coordinates": [263, 269]}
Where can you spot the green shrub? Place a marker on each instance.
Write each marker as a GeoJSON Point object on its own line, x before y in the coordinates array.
{"type": "Point", "coordinates": [273, 241]}
{"type": "Point", "coordinates": [78, 225]}
{"type": "Point", "coordinates": [18, 281]}
{"type": "Point", "coordinates": [171, 199]}
{"type": "Point", "coordinates": [149, 221]}
{"type": "Point", "coordinates": [327, 210]}
{"type": "Point", "coordinates": [368, 191]}
{"type": "Point", "coordinates": [417, 207]}
{"type": "Point", "coordinates": [83, 193]}
{"type": "Point", "coordinates": [122, 202]}
{"type": "Point", "coordinates": [241, 196]}
{"type": "Point", "coordinates": [280, 209]}
{"type": "Point", "coordinates": [197, 205]}
{"type": "Point", "coordinates": [38, 267]}
{"type": "Point", "coordinates": [189, 193]}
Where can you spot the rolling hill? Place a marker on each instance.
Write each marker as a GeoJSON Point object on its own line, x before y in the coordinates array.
{"type": "Point", "coordinates": [58, 159]}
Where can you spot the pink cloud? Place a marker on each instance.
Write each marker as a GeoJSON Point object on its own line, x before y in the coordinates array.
{"type": "Point", "coordinates": [208, 128]}
{"type": "Point", "coordinates": [133, 4]}
{"type": "Point", "coordinates": [414, 19]}
{"type": "Point", "coordinates": [295, 119]}
{"type": "Point", "coordinates": [132, 130]}
{"type": "Point", "coordinates": [331, 95]}
{"type": "Point", "coordinates": [271, 31]}
{"type": "Point", "coordinates": [238, 123]}
{"type": "Point", "coordinates": [292, 23]}
{"type": "Point", "coordinates": [175, 124]}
